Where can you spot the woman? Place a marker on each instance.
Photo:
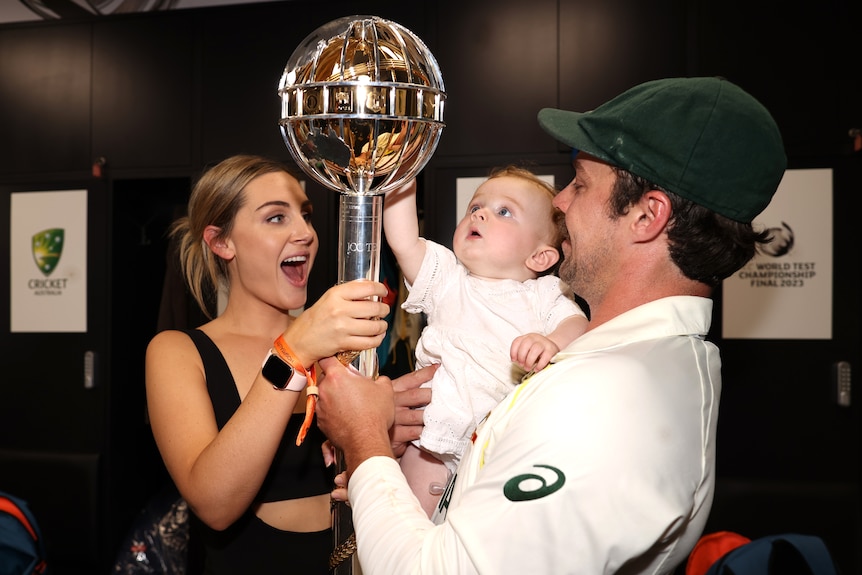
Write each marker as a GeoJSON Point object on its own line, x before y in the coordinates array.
{"type": "Point", "coordinates": [226, 401]}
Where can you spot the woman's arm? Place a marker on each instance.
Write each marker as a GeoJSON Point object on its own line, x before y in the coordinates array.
{"type": "Point", "coordinates": [217, 472]}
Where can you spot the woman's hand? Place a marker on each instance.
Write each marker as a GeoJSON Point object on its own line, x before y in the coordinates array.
{"type": "Point", "coordinates": [345, 318]}
{"type": "Point", "coordinates": [339, 492]}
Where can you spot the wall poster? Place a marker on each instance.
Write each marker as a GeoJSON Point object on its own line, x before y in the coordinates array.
{"type": "Point", "coordinates": [786, 292]}
{"type": "Point", "coordinates": [48, 261]}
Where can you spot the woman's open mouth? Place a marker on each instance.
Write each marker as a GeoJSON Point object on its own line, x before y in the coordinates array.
{"type": "Point", "coordinates": [296, 269]}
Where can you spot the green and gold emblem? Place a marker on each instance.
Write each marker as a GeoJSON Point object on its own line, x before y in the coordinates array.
{"type": "Point", "coordinates": [47, 248]}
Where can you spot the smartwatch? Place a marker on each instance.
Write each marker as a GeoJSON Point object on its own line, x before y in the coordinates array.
{"type": "Point", "coordinates": [281, 374]}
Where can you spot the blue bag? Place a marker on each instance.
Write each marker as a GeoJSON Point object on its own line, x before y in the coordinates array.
{"type": "Point", "coordinates": [22, 550]}
{"type": "Point", "coordinates": [787, 554]}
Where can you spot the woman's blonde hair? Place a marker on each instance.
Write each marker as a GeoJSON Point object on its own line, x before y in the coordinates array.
{"type": "Point", "coordinates": [215, 200]}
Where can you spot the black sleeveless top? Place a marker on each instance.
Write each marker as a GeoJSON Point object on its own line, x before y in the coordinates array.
{"type": "Point", "coordinates": [296, 471]}
{"type": "Point", "coordinates": [250, 545]}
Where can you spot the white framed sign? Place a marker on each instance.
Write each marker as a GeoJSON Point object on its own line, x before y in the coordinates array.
{"type": "Point", "coordinates": [48, 261]}
{"type": "Point", "coordinates": [786, 292]}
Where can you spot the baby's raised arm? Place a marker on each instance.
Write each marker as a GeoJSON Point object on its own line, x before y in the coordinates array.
{"type": "Point", "coordinates": [401, 226]}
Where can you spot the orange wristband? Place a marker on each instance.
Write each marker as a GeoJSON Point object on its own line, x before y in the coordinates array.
{"type": "Point", "coordinates": [284, 352]}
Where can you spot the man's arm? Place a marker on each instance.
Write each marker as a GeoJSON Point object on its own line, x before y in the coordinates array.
{"type": "Point", "coordinates": [401, 226]}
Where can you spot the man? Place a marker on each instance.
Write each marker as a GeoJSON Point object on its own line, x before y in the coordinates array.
{"type": "Point", "coordinates": [604, 461]}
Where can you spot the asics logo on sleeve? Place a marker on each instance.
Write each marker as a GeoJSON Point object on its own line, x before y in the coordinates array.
{"type": "Point", "coordinates": [524, 487]}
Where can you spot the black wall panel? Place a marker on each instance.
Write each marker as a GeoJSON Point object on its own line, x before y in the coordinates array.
{"type": "Point", "coordinates": [44, 99]}
{"type": "Point", "coordinates": [242, 58]}
{"type": "Point", "coordinates": [143, 83]}
{"type": "Point", "coordinates": [790, 60]}
{"type": "Point", "coordinates": [499, 67]}
{"type": "Point", "coordinates": [607, 46]}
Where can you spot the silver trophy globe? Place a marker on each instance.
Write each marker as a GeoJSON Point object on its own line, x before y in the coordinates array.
{"type": "Point", "coordinates": [361, 113]}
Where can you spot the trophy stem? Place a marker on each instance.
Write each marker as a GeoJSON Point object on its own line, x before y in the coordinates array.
{"type": "Point", "coordinates": [359, 237]}
{"type": "Point", "coordinates": [359, 233]}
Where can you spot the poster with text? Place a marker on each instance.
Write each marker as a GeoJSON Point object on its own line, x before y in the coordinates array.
{"type": "Point", "coordinates": [48, 261]}
{"type": "Point", "coordinates": [786, 291]}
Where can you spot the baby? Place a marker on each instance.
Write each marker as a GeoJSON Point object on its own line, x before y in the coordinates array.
{"type": "Point", "coordinates": [494, 309]}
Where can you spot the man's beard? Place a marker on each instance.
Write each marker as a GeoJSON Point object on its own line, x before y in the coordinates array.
{"type": "Point", "coordinates": [587, 275]}
{"type": "Point", "coordinates": [568, 271]}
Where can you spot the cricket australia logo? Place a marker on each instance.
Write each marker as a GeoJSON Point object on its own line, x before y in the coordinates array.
{"type": "Point", "coordinates": [47, 247]}
{"type": "Point", "coordinates": [529, 486]}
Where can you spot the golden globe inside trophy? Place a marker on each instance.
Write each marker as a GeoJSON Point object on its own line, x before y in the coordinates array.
{"type": "Point", "coordinates": [361, 113]}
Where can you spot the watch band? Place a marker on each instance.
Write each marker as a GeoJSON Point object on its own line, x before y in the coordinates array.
{"type": "Point", "coordinates": [281, 374]}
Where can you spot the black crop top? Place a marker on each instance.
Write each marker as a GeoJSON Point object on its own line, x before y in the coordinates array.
{"type": "Point", "coordinates": [296, 472]}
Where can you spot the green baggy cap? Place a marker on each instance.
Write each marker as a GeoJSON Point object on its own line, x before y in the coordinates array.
{"type": "Point", "coordinates": [704, 139]}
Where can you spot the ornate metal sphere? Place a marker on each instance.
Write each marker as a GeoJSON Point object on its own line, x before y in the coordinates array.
{"type": "Point", "coordinates": [361, 105]}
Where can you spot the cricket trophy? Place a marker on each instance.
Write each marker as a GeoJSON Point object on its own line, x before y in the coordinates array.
{"type": "Point", "coordinates": [361, 113]}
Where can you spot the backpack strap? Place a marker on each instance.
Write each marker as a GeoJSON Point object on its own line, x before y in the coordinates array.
{"type": "Point", "coordinates": [10, 507]}
{"type": "Point", "coordinates": [790, 547]}
{"type": "Point", "coordinates": [18, 509]}
{"type": "Point", "coordinates": [777, 555]}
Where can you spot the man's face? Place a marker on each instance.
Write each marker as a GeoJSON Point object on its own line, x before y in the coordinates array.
{"type": "Point", "coordinates": [589, 252]}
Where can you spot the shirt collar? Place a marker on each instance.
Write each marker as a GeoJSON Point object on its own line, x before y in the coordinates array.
{"type": "Point", "coordinates": [665, 317]}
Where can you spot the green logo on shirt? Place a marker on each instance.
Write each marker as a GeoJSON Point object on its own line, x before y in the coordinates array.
{"type": "Point", "coordinates": [514, 492]}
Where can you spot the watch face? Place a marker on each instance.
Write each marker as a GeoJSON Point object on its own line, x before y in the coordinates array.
{"type": "Point", "coordinates": [277, 372]}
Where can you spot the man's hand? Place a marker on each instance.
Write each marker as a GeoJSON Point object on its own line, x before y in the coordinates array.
{"type": "Point", "coordinates": [355, 412]}
{"type": "Point", "coordinates": [408, 398]}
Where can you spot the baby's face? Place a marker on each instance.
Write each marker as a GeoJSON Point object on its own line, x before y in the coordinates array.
{"type": "Point", "coordinates": [507, 219]}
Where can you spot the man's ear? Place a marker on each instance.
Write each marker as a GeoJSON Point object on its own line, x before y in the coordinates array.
{"type": "Point", "coordinates": [217, 243]}
{"type": "Point", "coordinates": [652, 213]}
{"type": "Point", "coordinates": [543, 259]}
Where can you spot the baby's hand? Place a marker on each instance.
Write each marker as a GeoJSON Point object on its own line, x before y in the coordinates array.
{"type": "Point", "coordinates": [533, 351]}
